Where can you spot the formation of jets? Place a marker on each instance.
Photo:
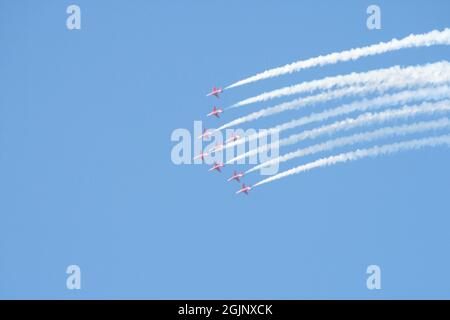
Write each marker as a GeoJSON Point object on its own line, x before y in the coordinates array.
{"type": "Point", "coordinates": [216, 112]}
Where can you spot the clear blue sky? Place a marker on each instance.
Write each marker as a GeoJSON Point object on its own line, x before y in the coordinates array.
{"type": "Point", "coordinates": [86, 176]}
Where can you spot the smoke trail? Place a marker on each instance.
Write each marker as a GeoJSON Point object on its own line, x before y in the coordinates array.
{"type": "Point", "coordinates": [357, 138]}
{"type": "Point", "coordinates": [424, 94]}
{"type": "Point", "coordinates": [362, 153]}
{"type": "Point", "coordinates": [349, 123]}
{"type": "Point", "coordinates": [426, 75]}
{"type": "Point", "coordinates": [432, 38]}
{"type": "Point", "coordinates": [374, 76]}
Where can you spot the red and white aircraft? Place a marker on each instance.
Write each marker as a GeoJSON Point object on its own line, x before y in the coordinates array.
{"type": "Point", "coordinates": [215, 92]}
{"type": "Point", "coordinates": [233, 137]}
{"type": "Point", "coordinates": [244, 189]}
{"type": "Point", "coordinates": [202, 156]}
{"type": "Point", "coordinates": [217, 166]}
{"type": "Point", "coordinates": [217, 147]}
{"type": "Point", "coordinates": [215, 112]}
{"type": "Point", "coordinates": [236, 176]}
{"type": "Point", "coordinates": [206, 134]}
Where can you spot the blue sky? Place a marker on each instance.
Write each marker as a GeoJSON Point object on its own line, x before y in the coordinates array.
{"type": "Point", "coordinates": [86, 176]}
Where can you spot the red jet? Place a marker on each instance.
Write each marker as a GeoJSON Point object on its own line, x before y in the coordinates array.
{"type": "Point", "coordinates": [233, 138]}
{"type": "Point", "coordinates": [202, 156]}
{"type": "Point", "coordinates": [217, 167]}
{"type": "Point", "coordinates": [205, 134]}
{"type": "Point", "coordinates": [217, 147]}
{"type": "Point", "coordinates": [215, 92]}
{"type": "Point", "coordinates": [236, 176]}
{"type": "Point", "coordinates": [244, 189]}
{"type": "Point", "coordinates": [215, 112]}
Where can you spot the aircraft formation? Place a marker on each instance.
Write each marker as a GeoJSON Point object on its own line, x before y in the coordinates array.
{"type": "Point", "coordinates": [218, 166]}
{"type": "Point", "coordinates": [408, 91]}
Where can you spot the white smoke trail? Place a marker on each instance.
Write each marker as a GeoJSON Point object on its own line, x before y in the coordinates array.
{"type": "Point", "coordinates": [432, 38]}
{"type": "Point", "coordinates": [360, 154]}
{"type": "Point", "coordinates": [349, 123]}
{"type": "Point", "coordinates": [374, 76]}
{"type": "Point", "coordinates": [357, 138]}
{"type": "Point", "coordinates": [424, 94]}
{"type": "Point", "coordinates": [430, 74]}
